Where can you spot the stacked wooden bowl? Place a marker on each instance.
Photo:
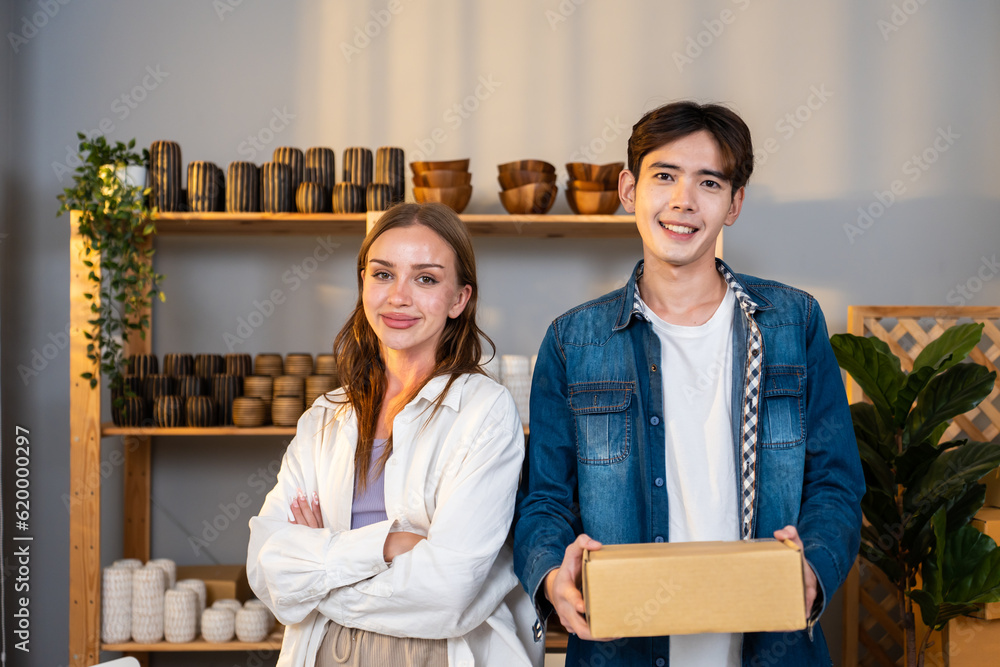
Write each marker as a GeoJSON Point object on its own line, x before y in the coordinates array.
{"type": "Point", "coordinates": [448, 182]}
{"type": "Point", "coordinates": [592, 189]}
{"type": "Point", "coordinates": [527, 186]}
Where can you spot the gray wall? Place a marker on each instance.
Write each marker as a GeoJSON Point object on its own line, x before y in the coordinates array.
{"type": "Point", "coordinates": [557, 80]}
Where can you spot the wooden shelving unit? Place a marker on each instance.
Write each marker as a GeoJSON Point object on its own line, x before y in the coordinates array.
{"type": "Point", "coordinates": [86, 429]}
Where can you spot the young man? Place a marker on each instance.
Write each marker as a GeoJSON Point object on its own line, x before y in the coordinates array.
{"type": "Point", "coordinates": [693, 404]}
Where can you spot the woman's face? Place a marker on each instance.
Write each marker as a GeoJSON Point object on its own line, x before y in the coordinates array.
{"type": "Point", "coordinates": [411, 289]}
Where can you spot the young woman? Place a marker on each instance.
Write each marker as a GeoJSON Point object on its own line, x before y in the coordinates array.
{"type": "Point", "coordinates": [383, 542]}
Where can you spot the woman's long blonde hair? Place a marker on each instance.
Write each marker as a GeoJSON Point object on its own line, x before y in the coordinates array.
{"type": "Point", "coordinates": [357, 348]}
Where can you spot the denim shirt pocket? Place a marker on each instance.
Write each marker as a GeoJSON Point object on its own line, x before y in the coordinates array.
{"type": "Point", "coordinates": [601, 419]}
{"type": "Point", "coordinates": [782, 418]}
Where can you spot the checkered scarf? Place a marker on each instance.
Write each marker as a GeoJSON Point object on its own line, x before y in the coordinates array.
{"type": "Point", "coordinates": [751, 394]}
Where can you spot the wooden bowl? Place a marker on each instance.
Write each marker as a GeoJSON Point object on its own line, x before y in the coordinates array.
{"type": "Point", "coordinates": [531, 198]}
{"type": "Point", "coordinates": [590, 186]}
{"type": "Point", "coordinates": [585, 171]}
{"type": "Point", "coordinates": [446, 165]}
{"type": "Point", "coordinates": [584, 202]}
{"type": "Point", "coordinates": [442, 178]}
{"type": "Point", "coordinates": [456, 198]}
{"type": "Point", "coordinates": [527, 165]}
{"type": "Point", "coordinates": [519, 177]}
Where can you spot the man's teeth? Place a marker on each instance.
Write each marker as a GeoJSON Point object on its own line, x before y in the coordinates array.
{"type": "Point", "coordinates": [677, 229]}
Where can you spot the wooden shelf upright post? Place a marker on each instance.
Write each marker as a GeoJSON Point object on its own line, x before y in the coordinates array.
{"type": "Point", "coordinates": [84, 467]}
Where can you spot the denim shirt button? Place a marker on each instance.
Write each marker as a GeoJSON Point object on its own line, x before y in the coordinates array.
{"type": "Point", "coordinates": [660, 662]}
{"type": "Point", "coordinates": [658, 538]}
{"type": "Point", "coordinates": [653, 368]}
{"type": "Point", "coordinates": [658, 481]}
{"type": "Point", "coordinates": [654, 421]}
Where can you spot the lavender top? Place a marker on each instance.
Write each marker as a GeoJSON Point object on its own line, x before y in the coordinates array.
{"type": "Point", "coordinates": [369, 507]}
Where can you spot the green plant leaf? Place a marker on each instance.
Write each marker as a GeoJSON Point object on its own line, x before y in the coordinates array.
{"type": "Point", "coordinates": [928, 606]}
{"type": "Point", "coordinates": [914, 462]}
{"type": "Point", "coordinates": [950, 348]}
{"type": "Point", "coordinates": [874, 367]}
{"type": "Point", "coordinates": [952, 393]}
{"type": "Point", "coordinates": [950, 482]}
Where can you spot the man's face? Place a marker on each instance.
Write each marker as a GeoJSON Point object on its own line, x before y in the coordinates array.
{"type": "Point", "coordinates": [681, 201]}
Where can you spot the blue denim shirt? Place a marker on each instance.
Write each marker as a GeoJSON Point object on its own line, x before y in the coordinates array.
{"type": "Point", "coordinates": [596, 460]}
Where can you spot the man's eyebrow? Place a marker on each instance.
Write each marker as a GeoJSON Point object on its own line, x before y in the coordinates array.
{"type": "Point", "coordinates": [701, 172]}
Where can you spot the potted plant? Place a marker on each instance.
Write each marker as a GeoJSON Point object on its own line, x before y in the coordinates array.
{"type": "Point", "coordinates": [109, 192]}
{"type": "Point", "coordinates": [922, 493]}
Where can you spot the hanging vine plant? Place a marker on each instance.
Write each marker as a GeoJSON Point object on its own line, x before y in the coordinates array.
{"type": "Point", "coordinates": [116, 224]}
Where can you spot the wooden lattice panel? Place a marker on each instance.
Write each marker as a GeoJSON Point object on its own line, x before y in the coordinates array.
{"type": "Point", "coordinates": [872, 633]}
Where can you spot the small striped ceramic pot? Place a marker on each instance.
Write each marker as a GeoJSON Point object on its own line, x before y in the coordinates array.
{"type": "Point", "coordinates": [165, 176]}
{"type": "Point", "coordinates": [312, 198]}
{"type": "Point", "coordinates": [321, 168]}
{"type": "Point", "coordinates": [200, 411]}
{"type": "Point", "coordinates": [243, 188]}
{"type": "Point", "coordinates": [168, 411]}
{"type": "Point", "coordinates": [358, 166]}
{"type": "Point", "coordinates": [348, 198]}
{"type": "Point", "coordinates": [205, 183]}
{"type": "Point", "coordinates": [275, 188]}
{"type": "Point", "coordinates": [295, 160]}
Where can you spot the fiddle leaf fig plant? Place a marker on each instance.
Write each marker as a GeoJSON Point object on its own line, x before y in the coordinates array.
{"type": "Point", "coordinates": [922, 493]}
{"type": "Point", "coordinates": [116, 224]}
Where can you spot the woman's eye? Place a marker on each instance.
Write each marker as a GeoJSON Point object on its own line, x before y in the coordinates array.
{"type": "Point", "coordinates": [426, 280]}
{"type": "Point", "coordinates": [381, 275]}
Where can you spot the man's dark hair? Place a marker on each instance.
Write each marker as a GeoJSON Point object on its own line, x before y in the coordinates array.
{"type": "Point", "coordinates": [676, 120]}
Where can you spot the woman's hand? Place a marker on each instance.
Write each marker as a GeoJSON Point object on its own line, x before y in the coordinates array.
{"type": "Point", "coordinates": [305, 513]}
{"type": "Point", "coordinates": [399, 543]}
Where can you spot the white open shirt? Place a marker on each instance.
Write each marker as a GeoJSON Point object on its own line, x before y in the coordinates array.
{"type": "Point", "coordinates": [454, 481]}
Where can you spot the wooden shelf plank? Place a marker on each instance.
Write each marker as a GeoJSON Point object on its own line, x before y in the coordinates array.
{"type": "Point", "coordinates": [108, 428]}
{"type": "Point", "coordinates": [272, 643]}
{"type": "Point", "coordinates": [539, 226]}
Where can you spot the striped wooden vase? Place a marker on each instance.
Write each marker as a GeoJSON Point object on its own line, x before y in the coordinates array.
{"type": "Point", "coordinates": [390, 169]}
{"type": "Point", "coordinates": [248, 411]}
{"type": "Point", "coordinates": [131, 413]}
{"type": "Point", "coordinates": [358, 166]}
{"type": "Point", "coordinates": [239, 364]}
{"type": "Point", "coordinates": [268, 363]}
{"type": "Point", "coordinates": [312, 198]}
{"type": "Point", "coordinates": [168, 411]}
{"type": "Point", "coordinates": [321, 168]}
{"type": "Point", "coordinates": [243, 188]}
{"type": "Point", "coordinates": [178, 364]}
{"type": "Point", "coordinates": [204, 182]}
{"type": "Point", "coordinates": [295, 160]}
{"type": "Point", "coordinates": [165, 176]}
{"type": "Point", "coordinates": [225, 389]}
{"type": "Point", "coordinates": [142, 365]}
{"type": "Point", "coordinates": [191, 385]}
{"type": "Point", "coordinates": [207, 365]}
{"type": "Point", "coordinates": [275, 188]}
{"type": "Point", "coordinates": [379, 197]}
{"type": "Point", "coordinates": [156, 386]}
{"type": "Point", "coordinates": [348, 198]}
{"type": "Point", "coordinates": [131, 384]}
{"type": "Point", "coordinates": [200, 411]}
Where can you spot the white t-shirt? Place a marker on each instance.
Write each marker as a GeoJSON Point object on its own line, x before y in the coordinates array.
{"type": "Point", "coordinates": [701, 480]}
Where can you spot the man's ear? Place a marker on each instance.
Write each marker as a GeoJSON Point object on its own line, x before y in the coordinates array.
{"type": "Point", "coordinates": [735, 207]}
{"type": "Point", "coordinates": [626, 190]}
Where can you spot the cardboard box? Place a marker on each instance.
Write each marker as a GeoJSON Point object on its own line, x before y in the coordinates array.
{"type": "Point", "coordinates": [987, 521]}
{"type": "Point", "coordinates": [971, 642]}
{"type": "Point", "coordinates": [992, 482]}
{"type": "Point", "coordinates": [222, 582]}
{"type": "Point", "coordinates": [642, 590]}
